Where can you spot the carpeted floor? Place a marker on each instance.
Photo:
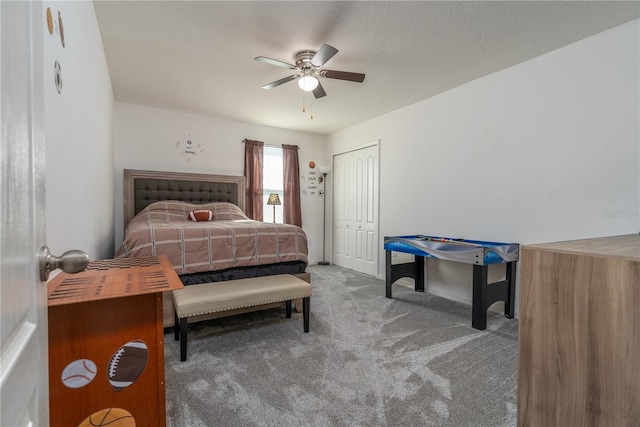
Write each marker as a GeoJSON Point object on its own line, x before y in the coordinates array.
{"type": "Point", "coordinates": [413, 360]}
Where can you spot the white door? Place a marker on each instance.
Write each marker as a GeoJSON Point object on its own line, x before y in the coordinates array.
{"type": "Point", "coordinates": [366, 210]}
{"type": "Point", "coordinates": [23, 358]}
{"type": "Point", "coordinates": [355, 210]}
{"type": "Point", "coordinates": [343, 211]}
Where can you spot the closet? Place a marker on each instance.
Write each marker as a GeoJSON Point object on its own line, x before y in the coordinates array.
{"type": "Point", "coordinates": [355, 210]}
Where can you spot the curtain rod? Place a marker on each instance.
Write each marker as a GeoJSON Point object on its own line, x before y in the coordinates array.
{"type": "Point", "coordinates": [270, 145]}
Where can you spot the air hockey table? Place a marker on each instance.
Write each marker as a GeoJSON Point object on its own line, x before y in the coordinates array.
{"type": "Point", "coordinates": [479, 253]}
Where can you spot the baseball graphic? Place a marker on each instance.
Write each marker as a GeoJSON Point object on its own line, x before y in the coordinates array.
{"type": "Point", "coordinates": [79, 373]}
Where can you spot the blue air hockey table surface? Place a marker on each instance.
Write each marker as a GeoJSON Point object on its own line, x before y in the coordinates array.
{"type": "Point", "coordinates": [460, 250]}
{"type": "Point", "coordinates": [481, 254]}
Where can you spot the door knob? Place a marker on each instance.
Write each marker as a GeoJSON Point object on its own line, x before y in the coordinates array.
{"type": "Point", "coordinates": [72, 261]}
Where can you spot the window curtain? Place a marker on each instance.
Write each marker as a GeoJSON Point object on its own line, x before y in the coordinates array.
{"type": "Point", "coordinates": [253, 165]}
{"type": "Point", "coordinates": [291, 207]}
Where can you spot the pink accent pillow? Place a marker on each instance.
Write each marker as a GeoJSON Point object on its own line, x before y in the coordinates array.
{"type": "Point", "coordinates": [200, 215]}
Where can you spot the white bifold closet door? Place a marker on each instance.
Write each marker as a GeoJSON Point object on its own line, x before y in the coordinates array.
{"type": "Point", "coordinates": [355, 210]}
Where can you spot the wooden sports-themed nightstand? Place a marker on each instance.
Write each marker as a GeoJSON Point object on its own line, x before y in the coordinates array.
{"type": "Point", "coordinates": [106, 343]}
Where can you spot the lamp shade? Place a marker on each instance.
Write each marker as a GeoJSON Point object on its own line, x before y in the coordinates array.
{"type": "Point", "coordinates": [324, 169]}
{"type": "Point", "coordinates": [274, 199]}
{"type": "Point", "coordinates": [307, 83]}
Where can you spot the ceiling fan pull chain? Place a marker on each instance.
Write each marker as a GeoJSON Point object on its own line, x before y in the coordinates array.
{"type": "Point", "coordinates": [304, 105]}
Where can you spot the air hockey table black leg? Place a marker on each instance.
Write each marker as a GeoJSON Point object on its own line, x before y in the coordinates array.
{"type": "Point", "coordinates": [485, 294]}
{"type": "Point", "coordinates": [388, 274]}
{"type": "Point", "coordinates": [509, 303]}
{"type": "Point", "coordinates": [419, 262]}
{"type": "Point", "coordinates": [480, 294]}
{"type": "Point", "coordinates": [413, 270]}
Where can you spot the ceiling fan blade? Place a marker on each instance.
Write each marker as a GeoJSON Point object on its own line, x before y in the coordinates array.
{"type": "Point", "coordinates": [319, 92]}
{"type": "Point", "coordinates": [279, 82]}
{"type": "Point", "coordinates": [325, 53]}
{"type": "Point", "coordinates": [275, 62]}
{"type": "Point", "coordinates": [343, 75]}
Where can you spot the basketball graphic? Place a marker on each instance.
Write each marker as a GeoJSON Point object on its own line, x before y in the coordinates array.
{"type": "Point", "coordinates": [112, 417]}
{"type": "Point", "coordinates": [79, 373]}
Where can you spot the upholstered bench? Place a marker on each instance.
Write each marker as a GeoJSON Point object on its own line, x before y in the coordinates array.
{"type": "Point", "coordinates": [217, 297]}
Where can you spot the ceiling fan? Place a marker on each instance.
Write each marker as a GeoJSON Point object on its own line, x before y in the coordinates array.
{"type": "Point", "coordinates": [307, 64]}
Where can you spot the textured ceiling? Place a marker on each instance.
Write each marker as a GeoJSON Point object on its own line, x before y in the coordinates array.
{"type": "Point", "coordinates": [197, 56]}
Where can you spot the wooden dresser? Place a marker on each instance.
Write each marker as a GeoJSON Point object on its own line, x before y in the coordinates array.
{"type": "Point", "coordinates": [579, 333]}
{"type": "Point", "coordinates": [106, 343]}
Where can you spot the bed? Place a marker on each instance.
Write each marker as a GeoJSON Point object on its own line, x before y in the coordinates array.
{"type": "Point", "coordinates": [229, 246]}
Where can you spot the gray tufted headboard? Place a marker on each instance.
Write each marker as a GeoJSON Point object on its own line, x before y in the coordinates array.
{"type": "Point", "coordinates": [142, 188]}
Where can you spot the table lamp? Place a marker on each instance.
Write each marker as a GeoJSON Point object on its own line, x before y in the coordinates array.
{"type": "Point", "coordinates": [274, 199]}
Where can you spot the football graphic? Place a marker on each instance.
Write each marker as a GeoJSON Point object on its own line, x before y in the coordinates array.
{"type": "Point", "coordinates": [127, 363]}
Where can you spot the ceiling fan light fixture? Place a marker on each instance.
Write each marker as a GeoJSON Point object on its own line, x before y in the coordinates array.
{"type": "Point", "coordinates": [307, 64]}
{"type": "Point", "coordinates": [307, 82]}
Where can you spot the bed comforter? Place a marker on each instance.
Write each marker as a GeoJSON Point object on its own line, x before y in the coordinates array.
{"type": "Point", "coordinates": [229, 240]}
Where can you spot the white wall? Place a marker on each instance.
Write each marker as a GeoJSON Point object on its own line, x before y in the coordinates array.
{"type": "Point", "coordinates": [78, 134]}
{"type": "Point", "coordinates": [150, 138]}
{"type": "Point", "coordinates": [546, 150]}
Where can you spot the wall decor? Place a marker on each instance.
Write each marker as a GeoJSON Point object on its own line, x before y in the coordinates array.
{"type": "Point", "coordinates": [311, 180]}
{"type": "Point", "coordinates": [49, 21]}
{"type": "Point", "coordinates": [57, 77]}
{"type": "Point", "coordinates": [61, 29]}
{"type": "Point", "coordinates": [189, 149]}
{"type": "Point", "coordinates": [309, 184]}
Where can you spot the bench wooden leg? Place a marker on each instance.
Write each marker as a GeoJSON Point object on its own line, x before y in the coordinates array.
{"type": "Point", "coordinates": [288, 307]}
{"type": "Point", "coordinates": [305, 312]}
{"type": "Point", "coordinates": [184, 326]}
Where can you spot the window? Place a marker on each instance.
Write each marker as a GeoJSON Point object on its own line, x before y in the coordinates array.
{"type": "Point", "coordinates": [272, 182]}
